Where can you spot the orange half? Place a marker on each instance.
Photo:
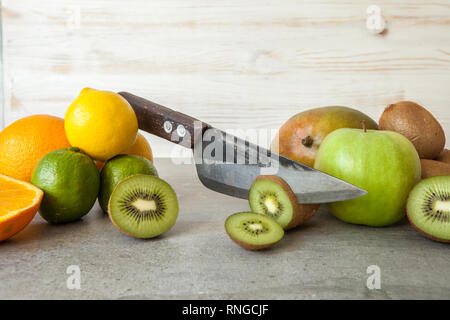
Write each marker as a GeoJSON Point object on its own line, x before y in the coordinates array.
{"type": "Point", "coordinates": [19, 202]}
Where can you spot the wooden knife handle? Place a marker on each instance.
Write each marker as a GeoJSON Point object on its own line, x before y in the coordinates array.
{"type": "Point", "coordinates": [164, 122]}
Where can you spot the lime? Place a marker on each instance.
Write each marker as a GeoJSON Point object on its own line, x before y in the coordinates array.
{"type": "Point", "coordinates": [118, 168]}
{"type": "Point", "coordinates": [70, 181]}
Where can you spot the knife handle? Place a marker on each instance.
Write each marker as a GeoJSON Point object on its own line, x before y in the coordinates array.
{"type": "Point", "coordinates": [164, 122]}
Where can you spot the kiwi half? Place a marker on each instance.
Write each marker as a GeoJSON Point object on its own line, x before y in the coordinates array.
{"type": "Point", "coordinates": [143, 206]}
{"type": "Point", "coordinates": [271, 195]}
{"type": "Point", "coordinates": [253, 231]}
{"type": "Point", "coordinates": [428, 208]}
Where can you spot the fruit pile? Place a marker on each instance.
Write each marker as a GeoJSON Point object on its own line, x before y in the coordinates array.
{"type": "Point", "coordinates": [61, 166]}
{"type": "Point", "coordinates": [388, 160]}
{"type": "Point", "coordinates": [345, 143]}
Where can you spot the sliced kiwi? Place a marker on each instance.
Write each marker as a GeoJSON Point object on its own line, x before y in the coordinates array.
{"type": "Point", "coordinates": [253, 231]}
{"type": "Point", "coordinates": [272, 196]}
{"type": "Point", "coordinates": [143, 206]}
{"type": "Point", "coordinates": [429, 208]}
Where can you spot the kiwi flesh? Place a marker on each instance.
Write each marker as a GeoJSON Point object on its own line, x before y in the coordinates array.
{"type": "Point", "coordinates": [253, 231]}
{"type": "Point", "coordinates": [433, 168]}
{"type": "Point", "coordinates": [444, 156]}
{"type": "Point", "coordinates": [143, 206]}
{"type": "Point", "coordinates": [118, 168]}
{"type": "Point", "coordinates": [417, 124]}
{"type": "Point", "coordinates": [428, 208]}
{"type": "Point", "coordinates": [271, 195]}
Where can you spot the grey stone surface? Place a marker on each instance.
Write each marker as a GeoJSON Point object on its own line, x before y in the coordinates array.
{"type": "Point", "coordinates": [324, 259]}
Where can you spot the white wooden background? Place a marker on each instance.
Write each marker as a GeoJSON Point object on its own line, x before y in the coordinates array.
{"type": "Point", "coordinates": [235, 64]}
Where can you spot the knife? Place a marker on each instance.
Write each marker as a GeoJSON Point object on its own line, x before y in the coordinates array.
{"type": "Point", "coordinates": [228, 164]}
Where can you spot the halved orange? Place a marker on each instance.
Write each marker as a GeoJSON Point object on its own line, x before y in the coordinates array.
{"type": "Point", "coordinates": [19, 202]}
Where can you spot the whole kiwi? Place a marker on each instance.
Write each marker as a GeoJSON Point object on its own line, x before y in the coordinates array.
{"type": "Point", "coordinates": [417, 124]}
{"type": "Point", "coordinates": [433, 168]}
{"type": "Point", "coordinates": [444, 156]}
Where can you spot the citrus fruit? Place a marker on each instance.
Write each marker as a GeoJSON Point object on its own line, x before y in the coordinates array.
{"type": "Point", "coordinates": [140, 147]}
{"type": "Point", "coordinates": [101, 123]}
{"type": "Point", "coordinates": [19, 202]}
{"type": "Point", "coordinates": [24, 142]}
{"type": "Point", "coordinates": [117, 169]}
{"type": "Point", "coordinates": [70, 181]}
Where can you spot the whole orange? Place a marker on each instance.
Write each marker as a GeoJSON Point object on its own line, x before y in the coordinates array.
{"type": "Point", "coordinates": [140, 147]}
{"type": "Point", "coordinates": [24, 142]}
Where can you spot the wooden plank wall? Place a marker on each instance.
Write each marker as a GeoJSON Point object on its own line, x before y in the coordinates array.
{"type": "Point", "coordinates": [235, 64]}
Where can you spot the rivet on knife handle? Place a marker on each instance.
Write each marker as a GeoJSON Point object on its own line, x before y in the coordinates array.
{"type": "Point", "coordinates": [164, 122]}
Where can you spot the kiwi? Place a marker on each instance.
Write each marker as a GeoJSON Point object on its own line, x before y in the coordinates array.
{"type": "Point", "coordinates": [272, 196]}
{"type": "Point", "coordinates": [444, 156]}
{"type": "Point", "coordinates": [433, 168]}
{"type": "Point", "coordinates": [417, 124]}
{"type": "Point", "coordinates": [143, 206]}
{"type": "Point", "coordinates": [253, 231]}
{"type": "Point", "coordinates": [118, 168]}
{"type": "Point", "coordinates": [428, 208]}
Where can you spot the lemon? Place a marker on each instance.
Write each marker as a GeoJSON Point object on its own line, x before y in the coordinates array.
{"type": "Point", "coordinates": [101, 123]}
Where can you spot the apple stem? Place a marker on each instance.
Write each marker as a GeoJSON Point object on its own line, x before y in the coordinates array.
{"type": "Point", "coordinates": [308, 141]}
{"type": "Point", "coordinates": [363, 122]}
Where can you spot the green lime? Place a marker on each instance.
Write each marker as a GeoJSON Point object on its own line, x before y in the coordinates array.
{"type": "Point", "coordinates": [119, 168]}
{"type": "Point", "coordinates": [70, 181]}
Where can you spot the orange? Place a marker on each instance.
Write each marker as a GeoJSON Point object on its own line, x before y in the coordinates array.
{"type": "Point", "coordinates": [19, 202]}
{"type": "Point", "coordinates": [24, 142]}
{"type": "Point", "coordinates": [140, 147]}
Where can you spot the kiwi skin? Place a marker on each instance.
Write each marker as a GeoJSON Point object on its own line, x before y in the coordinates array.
{"type": "Point", "coordinates": [429, 236]}
{"type": "Point", "coordinates": [417, 124]}
{"type": "Point", "coordinates": [249, 246]}
{"type": "Point", "coordinates": [444, 156]}
{"type": "Point", "coordinates": [433, 168]}
{"type": "Point", "coordinates": [301, 212]}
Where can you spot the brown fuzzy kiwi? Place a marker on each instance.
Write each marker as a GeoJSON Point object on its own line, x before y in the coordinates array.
{"type": "Point", "coordinates": [300, 212]}
{"type": "Point", "coordinates": [433, 168]}
{"type": "Point", "coordinates": [444, 156]}
{"type": "Point", "coordinates": [417, 124]}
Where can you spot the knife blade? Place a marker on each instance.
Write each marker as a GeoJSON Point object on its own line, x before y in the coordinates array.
{"type": "Point", "coordinates": [228, 164]}
{"type": "Point", "coordinates": [235, 176]}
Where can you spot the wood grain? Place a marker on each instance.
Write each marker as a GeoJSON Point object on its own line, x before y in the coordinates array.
{"type": "Point", "coordinates": [233, 64]}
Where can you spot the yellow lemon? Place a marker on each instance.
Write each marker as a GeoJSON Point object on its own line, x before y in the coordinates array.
{"type": "Point", "coordinates": [101, 123]}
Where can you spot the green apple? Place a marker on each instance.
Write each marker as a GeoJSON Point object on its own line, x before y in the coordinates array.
{"type": "Point", "coordinates": [384, 163]}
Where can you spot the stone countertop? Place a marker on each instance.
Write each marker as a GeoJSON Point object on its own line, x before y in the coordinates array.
{"type": "Point", "coordinates": [324, 259]}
